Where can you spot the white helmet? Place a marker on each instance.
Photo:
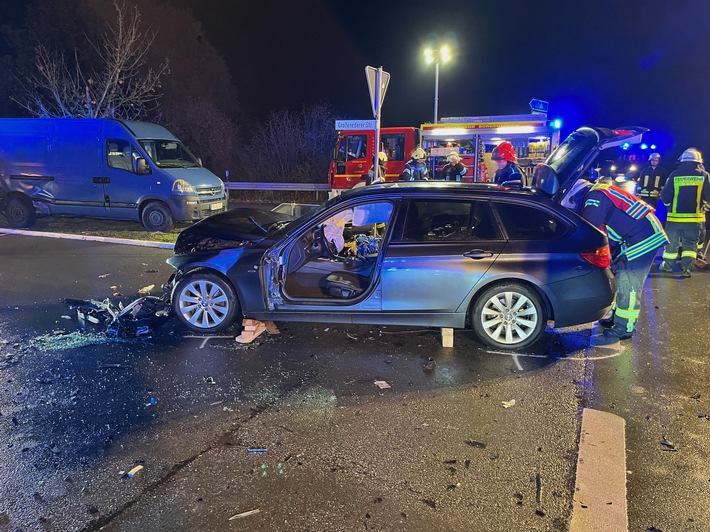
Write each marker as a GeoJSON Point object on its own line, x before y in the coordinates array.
{"type": "Point", "coordinates": [453, 157]}
{"type": "Point", "coordinates": [691, 154]}
{"type": "Point", "coordinates": [574, 199]}
{"type": "Point", "coordinates": [382, 157]}
{"type": "Point", "coordinates": [654, 155]}
{"type": "Point", "coordinates": [418, 154]}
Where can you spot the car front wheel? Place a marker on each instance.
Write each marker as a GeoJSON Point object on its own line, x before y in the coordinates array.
{"type": "Point", "coordinates": [509, 316]}
{"type": "Point", "coordinates": [204, 302]}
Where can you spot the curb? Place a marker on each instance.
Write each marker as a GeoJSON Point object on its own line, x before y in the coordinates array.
{"type": "Point", "coordinates": [600, 485]}
{"type": "Point", "coordinates": [107, 240]}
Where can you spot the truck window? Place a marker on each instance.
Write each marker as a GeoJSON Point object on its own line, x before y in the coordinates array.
{"type": "Point", "coordinates": [118, 154]}
{"type": "Point", "coordinates": [352, 147]}
{"type": "Point", "coordinates": [394, 146]}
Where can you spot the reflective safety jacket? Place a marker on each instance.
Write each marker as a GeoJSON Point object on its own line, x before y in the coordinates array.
{"type": "Point", "coordinates": [414, 171]}
{"type": "Point", "coordinates": [453, 172]}
{"type": "Point", "coordinates": [628, 221]}
{"type": "Point", "coordinates": [650, 181]}
{"type": "Point", "coordinates": [511, 172]}
{"type": "Point", "coordinates": [685, 192]}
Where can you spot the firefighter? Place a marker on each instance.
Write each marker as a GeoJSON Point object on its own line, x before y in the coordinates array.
{"type": "Point", "coordinates": [454, 169]}
{"type": "Point", "coordinates": [508, 169]}
{"type": "Point", "coordinates": [651, 180]}
{"type": "Point", "coordinates": [635, 234]}
{"type": "Point", "coordinates": [415, 169]}
{"type": "Point", "coordinates": [685, 195]}
{"type": "Point", "coordinates": [382, 164]}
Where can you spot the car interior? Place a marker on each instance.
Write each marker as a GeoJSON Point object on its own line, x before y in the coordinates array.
{"type": "Point", "coordinates": [337, 258]}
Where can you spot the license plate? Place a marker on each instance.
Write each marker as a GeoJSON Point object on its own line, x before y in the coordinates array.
{"type": "Point", "coordinates": [215, 206]}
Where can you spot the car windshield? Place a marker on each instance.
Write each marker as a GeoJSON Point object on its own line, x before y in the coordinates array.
{"type": "Point", "coordinates": [169, 154]}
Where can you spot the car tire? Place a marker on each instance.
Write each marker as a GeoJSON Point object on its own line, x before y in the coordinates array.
{"type": "Point", "coordinates": [204, 302]}
{"type": "Point", "coordinates": [19, 213]}
{"type": "Point", "coordinates": [509, 316]}
{"type": "Point", "coordinates": [156, 217]}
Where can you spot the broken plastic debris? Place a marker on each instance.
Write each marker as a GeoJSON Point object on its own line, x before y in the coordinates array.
{"type": "Point", "coordinates": [104, 275]}
{"type": "Point", "coordinates": [133, 471]}
{"type": "Point", "coordinates": [382, 385]}
{"type": "Point", "coordinates": [244, 514]}
{"type": "Point", "coordinates": [137, 319]}
{"type": "Point", "coordinates": [146, 290]}
{"type": "Point", "coordinates": [429, 364]}
{"type": "Point", "coordinates": [209, 380]}
{"type": "Point", "coordinates": [257, 450]}
{"type": "Point", "coordinates": [508, 404]}
{"type": "Point", "coordinates": [670, 446]}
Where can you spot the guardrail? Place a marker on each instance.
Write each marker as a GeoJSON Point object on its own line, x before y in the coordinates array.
{"type": "Point", "coordinates": [240, 185]}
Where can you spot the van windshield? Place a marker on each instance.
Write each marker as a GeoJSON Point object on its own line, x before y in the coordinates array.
{"type": "Point", "coordinates": [169, 154]}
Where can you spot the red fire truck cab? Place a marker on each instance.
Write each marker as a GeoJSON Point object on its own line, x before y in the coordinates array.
{"type": "Point", "coordinates": [354, 154]}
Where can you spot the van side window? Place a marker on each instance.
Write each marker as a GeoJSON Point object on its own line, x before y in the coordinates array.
{"type": "Point", "coordinates": [119, 154]}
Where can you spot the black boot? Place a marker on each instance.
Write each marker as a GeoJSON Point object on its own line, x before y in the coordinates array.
{"type": "Point", "coordinates": [607, 322]}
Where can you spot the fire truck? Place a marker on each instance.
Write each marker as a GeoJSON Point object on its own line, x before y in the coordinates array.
{"type": "Point", "coordinates": [473, 137]}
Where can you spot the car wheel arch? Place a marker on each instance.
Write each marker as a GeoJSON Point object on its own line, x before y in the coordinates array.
{"type": "Point", "coordinates": [480, 289]}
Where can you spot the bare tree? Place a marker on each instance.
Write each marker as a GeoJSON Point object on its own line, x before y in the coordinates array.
{"type": "Point", "coordinates": [120, 87]}
{"type": "Point", "coordinates": [291, 147]}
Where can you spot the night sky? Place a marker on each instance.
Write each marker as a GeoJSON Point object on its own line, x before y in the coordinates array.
{"type": "Point", "coordinates": [603, 62]}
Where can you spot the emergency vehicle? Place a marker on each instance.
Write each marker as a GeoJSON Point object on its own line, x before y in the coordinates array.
{"type": "Point", "coordinates": [533, 136]}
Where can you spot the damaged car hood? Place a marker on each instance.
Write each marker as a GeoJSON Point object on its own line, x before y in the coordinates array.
{"type": "Point", "coordinates": [232, 229]}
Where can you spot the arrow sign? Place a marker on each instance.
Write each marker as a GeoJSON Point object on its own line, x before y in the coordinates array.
{"type": "Point", "coordinates": [377, 96]}
{"type": "Point", "coordinates": [539, 106]}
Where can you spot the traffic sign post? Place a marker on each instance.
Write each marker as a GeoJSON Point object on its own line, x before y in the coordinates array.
{"type": "Point", "coordinates": [377, 81]}
{"type": "Point", "coordinates": [539, 106]}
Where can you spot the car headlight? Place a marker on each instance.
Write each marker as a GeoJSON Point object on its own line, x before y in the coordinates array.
{"type": "Point", "coordinates": [183, 187]}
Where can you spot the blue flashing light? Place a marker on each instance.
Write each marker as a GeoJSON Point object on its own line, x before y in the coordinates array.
{"type": "Point", "coordinates": [653, 146]}
{"type": "Point", "coordinates": [556, 123]}
{"type": "Point", "coordinates": [644, 146]}
{"type": "Point", "coordinates": [625, 146]}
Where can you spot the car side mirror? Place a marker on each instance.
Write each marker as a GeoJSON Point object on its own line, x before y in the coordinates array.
{"type": "Point", "coordinates": [142, 166]}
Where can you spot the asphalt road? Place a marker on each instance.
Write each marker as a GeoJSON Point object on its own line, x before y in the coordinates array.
{"type": "Point", "coordinates": [293, 429]}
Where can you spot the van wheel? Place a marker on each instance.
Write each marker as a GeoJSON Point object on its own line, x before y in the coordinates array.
{"type": "Point", "coordinates": [19, 213]}
{"type": "Point", "coordinates": [204, 302]}
{"type": "Point", "coordinates": [509, 316]}
{"type": "Point", "coordinates": [156, 217]}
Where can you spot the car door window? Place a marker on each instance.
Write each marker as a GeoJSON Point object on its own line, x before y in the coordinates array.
{"type": "Point", "coordinates": [119, 154]}
{"type": "Point", "coordinates": [336, 258]}
{"type": "Point", "coordinates": [524, 222]}
{"type": "Point", "coordinates": [449, 220]}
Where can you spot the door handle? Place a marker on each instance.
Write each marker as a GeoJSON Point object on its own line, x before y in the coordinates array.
{"type": "Point", "coordinates": [101, 180]}
{"type": "Point", "coordinates": [478, 254]}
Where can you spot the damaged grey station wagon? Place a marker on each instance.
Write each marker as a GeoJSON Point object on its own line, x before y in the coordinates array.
{"type": "Point", "coordinates": [500, 261]}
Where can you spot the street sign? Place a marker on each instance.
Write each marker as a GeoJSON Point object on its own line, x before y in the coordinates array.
{"type": "Point", "coordinates": [539, 106]}
{"type": "Point", "coordinates": [357, 125]}
{"type": "Point", "coordinates": [377, 97]}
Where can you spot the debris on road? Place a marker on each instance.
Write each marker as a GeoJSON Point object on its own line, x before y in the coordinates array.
{"type": "Point", "coordinates": [670, 446]}
{"type": "Point", "coordinates": [133, 471]}
{"type": "Point", "coordinates": [382, 385]}
{"type": "Point", "coordinates": [257, 450]}
{"type": "Point", "coordinates": [508, 404]}
{"type": "Point", "coordinates": [146, 290]}
{"type": "Point", "coordinates": [209, 380]}
{"type": "Point", "coordinates": [429, 364]}
{"type": "Point", "coordinates": [695, 396]}
{"type": "Point", "coordinates": [138, 319]}
{"type": "Point", "coordinates": [244, 514]}
{"type": "Point", "coordinates": [251, 330]}
{"type": "Point", "coordinates": [104, 275]}
{"type": "Point", "coordinates": [476, 444]}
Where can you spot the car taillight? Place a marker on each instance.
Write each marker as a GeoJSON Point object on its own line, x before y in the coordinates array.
{"type": "Point", "coordinates": [600, 257]}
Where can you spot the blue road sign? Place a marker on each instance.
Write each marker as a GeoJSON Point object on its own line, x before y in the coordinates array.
{"type": "Point", "coordinates": [539, 106]}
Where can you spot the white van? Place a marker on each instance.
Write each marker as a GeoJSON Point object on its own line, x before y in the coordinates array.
{"type": "Point", "coordinates": [102, 168]}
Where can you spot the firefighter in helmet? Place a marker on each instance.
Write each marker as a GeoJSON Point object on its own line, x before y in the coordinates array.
{"type": "Point", "coordinates": [685, 195]}
{"type": "Point", "coordinates": [373, 179]}
{"type": "Point", "coordinates": [415, 169]}
{"type": "Point", "coordinates": [651, 180]}
{"type": "Point", "coordinates": [454, 169]}
{"type": "Point", "coordinates": [508, 168]}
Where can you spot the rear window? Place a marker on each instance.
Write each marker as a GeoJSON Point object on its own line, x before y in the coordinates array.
{"type": "Point", "coordinates": [449, 220]}
{"type": "Point", "coordinates": [523, 222]}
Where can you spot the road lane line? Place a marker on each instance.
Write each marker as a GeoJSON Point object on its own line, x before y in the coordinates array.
{"type": "Point", "coordinates": [600, 483]}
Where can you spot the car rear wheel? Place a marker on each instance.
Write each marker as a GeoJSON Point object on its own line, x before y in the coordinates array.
{"type": "Point", "coordinates": [509, 316]}
{"type": "Point", "coordinates": [204, 302]}
{"type": "Point", "coordinates": [19, 213]}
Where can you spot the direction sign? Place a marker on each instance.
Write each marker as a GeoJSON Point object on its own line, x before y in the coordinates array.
{"type": "Point", "coordinates": [377, 97]}
{"type": "Point", "coordinates": [539, 106]}
{"type": "Point", "coordinates": [357, 125]}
